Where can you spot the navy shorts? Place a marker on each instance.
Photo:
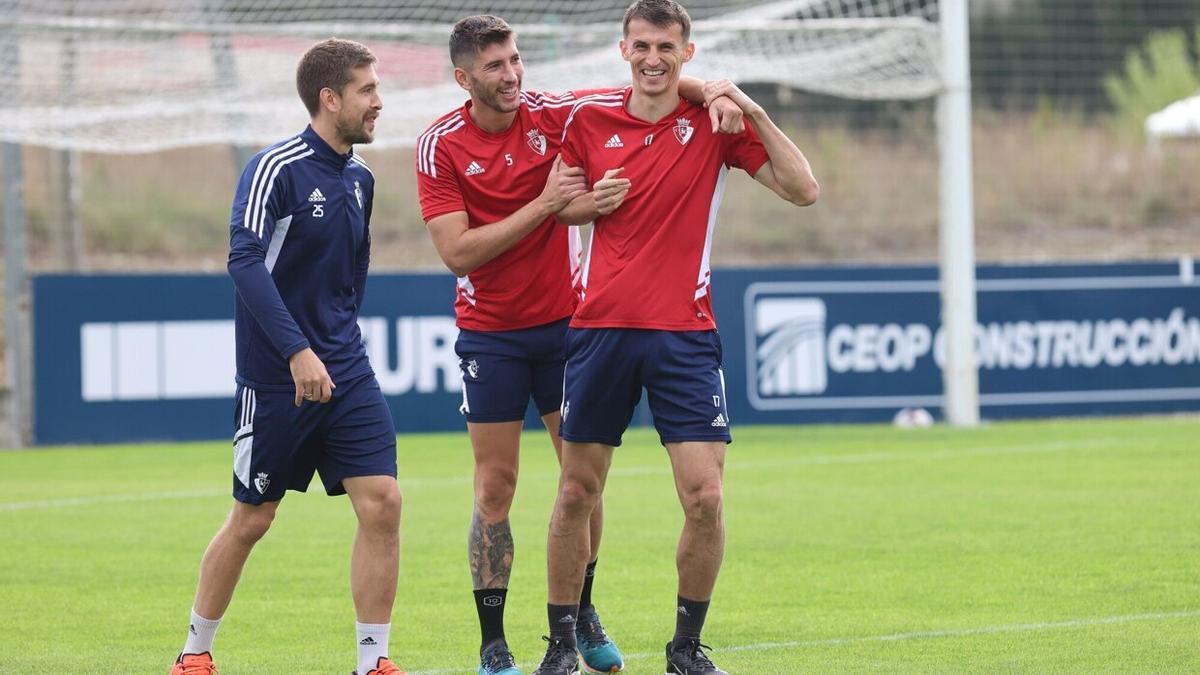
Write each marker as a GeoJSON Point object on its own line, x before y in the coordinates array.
{"type": "Point", "coordinates": [502, 369]}
{"type": "Point", "coordinates": [680, 370]}
{"type": "Point", "coordinates": [277, 446]}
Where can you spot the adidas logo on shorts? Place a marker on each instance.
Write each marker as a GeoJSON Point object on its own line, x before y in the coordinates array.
{"type": "Point", "coordinates": [720, 421]}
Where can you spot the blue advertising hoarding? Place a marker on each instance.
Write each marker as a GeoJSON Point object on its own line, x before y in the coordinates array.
{"type": "Point", "coordinates": [857, 345]}
{"type": "Point", "coordinates": [124, 358]}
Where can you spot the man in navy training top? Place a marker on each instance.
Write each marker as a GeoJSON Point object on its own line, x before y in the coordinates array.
{"type": "Point", "coordinates": [307, 398]}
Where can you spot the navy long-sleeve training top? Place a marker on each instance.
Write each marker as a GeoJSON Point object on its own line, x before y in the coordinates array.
{"type": "Point", "coordinates": [299, 246]}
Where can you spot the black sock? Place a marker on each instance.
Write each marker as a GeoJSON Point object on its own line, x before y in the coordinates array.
{"type": "Point", "coordinates": [562, 623]}
{"type": "Point", "coordinates": [489, 603]}
{"type": "Point", "coordinates": [689, 619]}
{"type": "Point", "coordinates": [585, 598]}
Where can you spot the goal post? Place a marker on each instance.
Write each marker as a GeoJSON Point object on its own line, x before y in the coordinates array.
{"type": "Point", "coordinates": [136, 76]}
{"type": "Point", "coordinates": [956, 223]}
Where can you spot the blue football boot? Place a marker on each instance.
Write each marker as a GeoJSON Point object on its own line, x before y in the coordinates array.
{"type": "Point", "coordinates": [598, 653]}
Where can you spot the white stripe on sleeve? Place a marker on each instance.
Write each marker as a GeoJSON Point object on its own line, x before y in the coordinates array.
{"type": "Point", "coordinates": [260, 171]}
{"type": "Point", "coordinates": [261, 218]}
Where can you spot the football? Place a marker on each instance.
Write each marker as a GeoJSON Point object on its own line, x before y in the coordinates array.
{"type": "Point", "coordinates": [913, 418]}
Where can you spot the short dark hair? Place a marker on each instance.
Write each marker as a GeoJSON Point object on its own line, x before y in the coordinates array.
{"type": "Point", "coordinates": [474, 34]}
{"type": "Point", "coordinates": [328, 64]}
{"type": "Point", "coordinates": [661, 13]}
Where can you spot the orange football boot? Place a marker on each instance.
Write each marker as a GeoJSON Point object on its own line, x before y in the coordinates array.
{"type": "Point", "coordinates": [383, 666]}
{"type": "Point", "coordinates": [194, 664]}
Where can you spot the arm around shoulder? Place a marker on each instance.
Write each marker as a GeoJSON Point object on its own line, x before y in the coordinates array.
{"type": "Point", "coordinates": [787, 173]}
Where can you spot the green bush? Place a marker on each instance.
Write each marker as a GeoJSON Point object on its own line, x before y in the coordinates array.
{"type": "Point", "coordinates": [1157, 73]}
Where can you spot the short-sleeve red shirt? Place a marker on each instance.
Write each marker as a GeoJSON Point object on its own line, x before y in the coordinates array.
{"type": "Point", "coordinates": [461, 167]}
{"type": "Point", "coordinates": [648, 266]}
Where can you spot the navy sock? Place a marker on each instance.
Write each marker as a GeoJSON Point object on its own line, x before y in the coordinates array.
{"type": "Point", "coordinates": [585, 598]}
{"type": "Point", "coordinates": [689, 619]}
{"type": "Point", "coordinates": [562, 623]}
{"type": "Point", "coordinates": [489, 603]}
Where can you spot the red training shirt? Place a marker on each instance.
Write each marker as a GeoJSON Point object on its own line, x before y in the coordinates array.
{"type": "Point", "coordinates": [648, 265]}
{"type": "Point", "coordinates": [461, 167]}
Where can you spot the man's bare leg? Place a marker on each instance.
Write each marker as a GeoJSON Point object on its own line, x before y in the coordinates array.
{"type": "Point", "coordinates": [568, 547]}
{"type": "Point", "coordinates": [374, 562]}
{"type": "Point", "coordinates": [220, 569]}
{"type": "Point", "coordinates": [699, 471]}
{"type": "Point", "coordinates": [490, 547]}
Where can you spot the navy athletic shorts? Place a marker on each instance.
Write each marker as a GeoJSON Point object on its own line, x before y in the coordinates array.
{"type": "Point", "coordinates": [277, 446]}
{"type": "Point", "coordinates": [680, 370]}
{"type": "Point", "coordinates": [502, 369]}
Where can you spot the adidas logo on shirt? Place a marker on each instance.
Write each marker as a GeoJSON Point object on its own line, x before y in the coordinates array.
{"type": "Point", "coordinates": [614, 142]}
{"type": "Point", "coordinates": [720, 421]}
{"type": "Point", "coordinates": [316, 196]}
{"type": "Point", "coordinates": [474, 169]}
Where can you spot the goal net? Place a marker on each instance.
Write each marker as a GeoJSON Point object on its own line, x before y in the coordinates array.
{"type": "Point", "coordinates": [125, 76]}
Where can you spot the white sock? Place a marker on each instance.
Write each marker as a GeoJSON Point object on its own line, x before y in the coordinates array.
{"type": "Point", "coordinates": [201, 632]}
{"type": "Point", "coordinates": [372, 644]}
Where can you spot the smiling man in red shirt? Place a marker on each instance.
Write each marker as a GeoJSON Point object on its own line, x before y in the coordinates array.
{"type": "Point", "coordinates": [645, 318]}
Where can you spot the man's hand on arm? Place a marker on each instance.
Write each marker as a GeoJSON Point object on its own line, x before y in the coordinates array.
{"type": "Point", "coordinates": [464, 248]}
{"type": "Point", "coordinates": [727, 117]}
{"type": "Point", "coordinates": [312, 380]}
{"type": "Point", "coordinates": [715, 89]}
{"type": "Point", "coordinates": [606, 196]}
{"type": "Point", "coordinates": [563, 185]}
{"type": "Point", "coordinates": [725, 114]}
{"type": "Point", "coordinates": [787, 172]}
{"type": "Point", "coordinates": [609, 192]}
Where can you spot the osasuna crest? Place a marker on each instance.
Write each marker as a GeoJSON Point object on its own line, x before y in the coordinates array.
{"type": "Point", "coordinates": [536, 141]}
{"type": "Point", "coordinates": [262, 482]}
{"type": "Point", "coordinates": [683, 130]}
{"type": "Point", "coordinates": [358, 193]}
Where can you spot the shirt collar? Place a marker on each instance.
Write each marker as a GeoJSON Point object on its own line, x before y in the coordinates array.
{"type": "Point", "coordinates": [322, 149]}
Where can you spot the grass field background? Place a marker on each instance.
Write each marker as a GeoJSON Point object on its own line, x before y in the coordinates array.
{"type": "Point", "coordinates": [1064, 546]}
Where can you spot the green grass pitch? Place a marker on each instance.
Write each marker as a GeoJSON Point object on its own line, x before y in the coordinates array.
{"type": "Point", "coordinates": [1036, 547]}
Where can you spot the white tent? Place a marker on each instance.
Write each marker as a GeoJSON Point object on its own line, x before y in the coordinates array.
{"type": "Point", "coordinates": [1178, 120]}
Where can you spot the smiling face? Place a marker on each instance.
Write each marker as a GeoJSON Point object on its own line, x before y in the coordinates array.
{"type": "Point", "coordinates": [494, 77]}
{"type": "Point", "coordinates": [656, 55]}
{"type": "Point", "coordinates": [359, 106]}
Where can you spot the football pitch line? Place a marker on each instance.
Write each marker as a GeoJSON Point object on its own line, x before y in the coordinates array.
{"type": "Point", "coordinates": [732, 465]}
{"type": "Point", "coordinates": [917, 635]}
